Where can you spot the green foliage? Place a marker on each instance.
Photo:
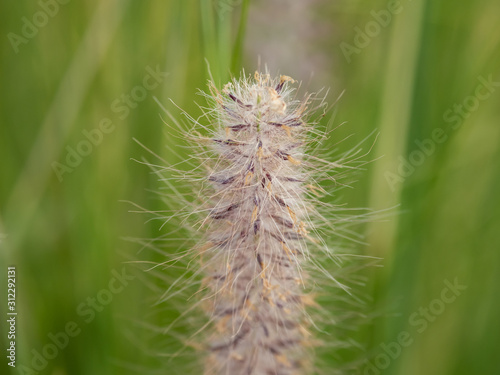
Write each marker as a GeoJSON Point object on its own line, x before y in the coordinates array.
{"type": "Point", "coordinates": [66, 237]}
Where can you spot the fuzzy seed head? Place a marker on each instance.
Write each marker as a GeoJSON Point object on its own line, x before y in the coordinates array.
{"type": "Point", "coordinates": [257, 224]}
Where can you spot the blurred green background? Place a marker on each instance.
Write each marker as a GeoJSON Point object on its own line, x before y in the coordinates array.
{"type": "Point", "coordinates": [407, 69]}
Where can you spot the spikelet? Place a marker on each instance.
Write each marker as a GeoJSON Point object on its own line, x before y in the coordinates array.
{"type": "Point", "coordinates": [258, 228]}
